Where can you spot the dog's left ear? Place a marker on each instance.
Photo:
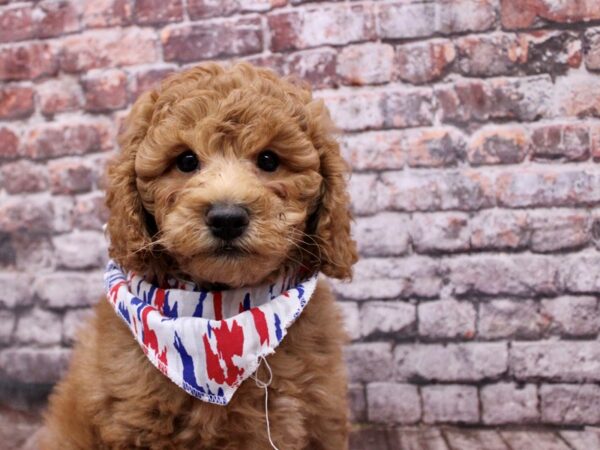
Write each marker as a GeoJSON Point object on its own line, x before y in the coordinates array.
{"type": "Point", "coordinates": [330, 222]}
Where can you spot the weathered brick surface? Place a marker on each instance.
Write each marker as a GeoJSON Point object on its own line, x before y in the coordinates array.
{"type": "Point", "coordinates": [472, 128]}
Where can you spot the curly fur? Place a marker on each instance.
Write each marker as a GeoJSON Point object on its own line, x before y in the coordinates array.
{"type": "Point", "coordinates": [112, 398]}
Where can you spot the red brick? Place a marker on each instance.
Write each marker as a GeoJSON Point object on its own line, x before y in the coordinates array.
{"type": "Point", "coordinates": [23, 176]}
{"type": "Point", "coordinates": [499, 229]}
{"type": "Point", "coordinates": [70, 176]}
{"type": "Point", "coordinates": [89, 212]}
{"type": "Point", "coordinates": [423, 62]}
{"type": "Point", "coordinates": [528, 13]}
{"type": "Point", "coordinates": [592, 52]}
{"type": "Point", "coordinates": [595, 141]}
{"type": "Point", "coordinates": [570, 142]}
{"type": "Point", "coordinates": [357, 110]}
{"type": "Point", "coordinates": [547, 186]}
{"type": "Point", "coordinates": [186, 43]}
{"type": "Point", "coordinates": [366, 64]}
{"type": "Point", "coordinates": [119, 47]}
{"type": "Point", "coordinates": [433, 147]}
{"type": "Point", "coordinates": [553, 52]}
{"type": "Point", "coordinates": [147, 79]}
{"type": "Point", "coordinates": [490, 55]}
{"type": "Point", "coordinates": [202, 9]}
{"type": "Point", "coordinates": [33, 215]}
{"type": "Point", "coordinates": [459, 16]}
{"type": "Point", "coordinates": [59, 139]}
{"type": "Point", "coordinates": [16, 102]}
{"type": "Point", "coordinates": [59, 95]}
{"type": "Point", "coordinates": [56, 18]}
{"type": "Point", "coordinates": [318, 67]}
{"type": "Point", "coordinates": [10, 144]}
{"type": "Point", "coordinates": [440, 232]}
{"type": "Point", "coordinates": [574, 96]}
{"type": "Point", "coordinates": [158, 11]}
{"type": "Point", "coordinates": [105, 91]}
{"type": "Point", "coordinates": [378, 150]}
{"type": "Point", "coordinates": [498, 145]}
{"type": "Point", "coordinates": [335, 24]}
{"type": "Point", "coordinates": [523, 99]}
{"type": "Point", "coordinates": [407, 108]}
{"type": "Point", "coordinates": [27, 61]}
{"type": "Point", "coordinates": [16, 23]}
{"type": "Point", "coordinates": [558, 231]}
{"type": "Point", "coordinates": [106, 13]}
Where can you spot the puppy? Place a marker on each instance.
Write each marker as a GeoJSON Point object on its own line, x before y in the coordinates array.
{"type": "Point", "coordinates": [228, 178]}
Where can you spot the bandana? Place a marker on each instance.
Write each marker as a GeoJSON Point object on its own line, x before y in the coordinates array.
{"type": "Point", "coordinates": [206, 342]}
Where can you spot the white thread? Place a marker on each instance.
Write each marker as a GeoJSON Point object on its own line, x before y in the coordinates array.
{"type": "Point", "coordinates": [265, 386]}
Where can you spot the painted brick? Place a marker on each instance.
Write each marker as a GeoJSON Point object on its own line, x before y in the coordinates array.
{"type": "Point", "coordinates": [447, 319]}
{"type": "Point", "coordinates": [571, 142]}
{"type": "Point", "coordinates": [516, 319]}
{"type": "Point", "coordinates": [384, 234]}
{"type": "Point", "coordinates": [450, 404]}
{"type": "Point", "coordinates": [498, 229]}
{"type": "Point", "coordinates": [570, 404]}
{"type": "Point", "coordinates": [393, 403]}
{"type": "Point", "coordinates": [592, 44]}
{"type": "Point", "coordinates": [498, 145]}
{"type": "Point", "coordinates": [576, 276]}
{"type": "Point", "coordinates": [316, 66]}
{"type": "Point", "coordinates": [505, 403]}
{"type": "Point", "coordinates": [424, 62]}
{"type": "Point", "coordinates": [351, 318]}
{"type": "Point", "coordinates": [525, 14]}
{"type": "Point", "coordinates": [21, 292]}
{"type": "Point", "coordinates": [572, 316]}
{"type": "Point", "coordinates": [39, 327]}
{"type": "Point", "coordinates": [440, 232]}
{"type": "Point", "coordinates": [29, 365]}
{"type": "Point", "coordinates": [369, 361]}
{"type": "Point", "coordinates": [394, 318]}
{"type": "Point", "coordinates": [366, 64]}
{"type": "Point", "coordinates": [376, 150]}
{"type": "Point", "coordinates": [560, 230]}
{"type": "Point", "coordinates": [74, 321]}
{"type": "Point", "coordinates": [68, 250]}
{"type": "Point", "coordinates": [7, 325]}
{"type": "Point", "coordinates": [85, 289]}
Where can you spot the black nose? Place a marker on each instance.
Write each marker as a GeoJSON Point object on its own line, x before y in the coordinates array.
{"type": "Point", "coordinates": [227, 221]}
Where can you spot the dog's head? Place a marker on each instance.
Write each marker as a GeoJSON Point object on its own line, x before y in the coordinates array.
{"type": "Point", "coordinates": [229, 176]}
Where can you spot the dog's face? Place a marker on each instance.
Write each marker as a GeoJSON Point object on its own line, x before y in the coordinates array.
{"type": "Point", "coordinates": [229, 176]}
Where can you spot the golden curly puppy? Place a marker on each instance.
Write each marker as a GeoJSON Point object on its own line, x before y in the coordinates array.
{"type": "Point", "coordinates": [228, 178]}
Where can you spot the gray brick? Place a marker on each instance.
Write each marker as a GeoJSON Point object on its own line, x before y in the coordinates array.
{"type": "Point", "coordinates": [385, 234]}
{"type": "Point", "coordinates": [7, 325]}
{"type": "Point", "coordinates": [450, 403]}
{"type": "Point", "coordinates": [73, 321]}
{"type": "Point", "coordinates": [504, 403]}
{"type": "Point", "coordinates": [447, 319]}
{"type": "Point", "coordinates": [440, 232]}
{"type": "Point", "coordinates": [393, 403]}
{"type": "Point", "coordinates": [572, 404]}
{"type": "Point", "coordinates": [369, 361]}
{"type": "Point", "coordinates": [69, 289]}
{"type": "Point", "coordinates": [28, 365]}
{"type": "Point", "coordinates": [358, 402]}
{"type": "Point", "coordinates": [572, 316]}
{"type": "Point", "coordinates": [394, 317]}
{"type": "Point", "coordinates": [510, 318]}
{"type": "Point", "coordinates": [81, 250]}
{"type": "Point", "coordinates": [20, 292]}
{"type": "Point", "coordinates": [39, 327]}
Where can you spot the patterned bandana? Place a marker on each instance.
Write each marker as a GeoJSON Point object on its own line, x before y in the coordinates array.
{"type": "Point", "coordinates": [206, 342]}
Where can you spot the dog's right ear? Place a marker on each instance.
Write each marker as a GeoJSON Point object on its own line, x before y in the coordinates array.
{"type": "Point", "coordinates": [130, 236]}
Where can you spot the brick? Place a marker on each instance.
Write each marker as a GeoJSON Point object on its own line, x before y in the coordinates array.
{"type": "Point", "coordinates": [33, 251]}
{"type": "Point", "coordinates": [70, 176]}
{"type": "Point", "coordinates": [318, 67]}
{"type": "Point", "coordinates": [74, 321]}
{"type": "Point", "coordinates": [440, 232]}
{"type": "Point", "coordinates": [434, 147]}
{"type": "Point", "coordinates": [471, 439]}
{"type": "Point", "coordinates": [376, 150]}
{"type": "Point", "coordinates": [542, 186]}
{"type": "Point", "coordinates": [16, 102]}
{"type": "Point", "coordinates": [571, 361]}
{"type": "Point", "coordinates": [434, 191]}
{"type": "Point", "coordinates": [105, 91]}
{"type": "Point", "coordinates": [533, 439]}
{"type": "Point", "coordinates": [157, 12]}
{"type": "Point", "coordinates": [518, 14]}
{"type": "Point", "coordinates": [80, 250]}
{"type": "Point", "coordinates": [383, 278]}
{"type": "Point", "coordinates": [505, 144]}
{"type": "Point", "coordinates": [369, 362]}
{"type": "Point", "coordinates": [363, 193]}
{"type": "Point", "coordinates": [59, 95]}
{"type": "Point", "coordinates": [202, 9]}
{"type": "Point", "coordinates": [595, 141]}
{"type": "Point", "coordinates": [356, 110]}
{"type": "Point", "coordinates": [335, 24]}
{"type": "Point", "coordinates": [392, 317]}
{"type": "Point", "coordinates": [408, 108]}
{"type": "Point", "coordinates": [572, 316]}
{"type": "Point", "coordinates": [518, 319]}
{"type": "Point", "coordinates": [60, 139]}
{"type": "Point", "coordinates": [63, 206]}
{"type": "Point", "coordinates": [16, 23]}
{"type": "Point", "coordinates": [393, 403]}
{"type": "Point", "coordinates": [148, 79]}
{"type": "Point", "coordinates": [23, 176]}
{"type": "Point", "coordinates": [498, 229]}
{"type": "Point", "coordinates": [592, 46]}
{"type": "Point", "coordinates": [106, 13]}
{"type": "Point", "coordinates": [20, 294]}
{"type": "Point", "coordinates": [85, 289]}
{"type": "Point", "coordinates": [424, 62]}
{"type": "Point", "coordinates": [228, 37]}
{"type": "Point", "coordinates": [28, 365]}
{"type": "Point", "coordinates": [119, 47]}
{"type": "Point", "coordinates": [31, 216]}
{"type": "Point", "coordinates": [7, 325]}
{"type": "Point", "coordinates": [385, 234]}
{"type": "Point", "coordinates": [520, 275]}
{"type": "Point", "coordinates": [54, 18]}
{"type": "Point", "coordinates": [7, 251]}
{"type": "Point", "coordinates": [39, 327]}
{"type": "Point", "coordinates": [418, 438]}
{"type": "Point", "coordinates": [27, 61]}
{"type": "Point", "coordinates": [369, 63]}
{"type": "Point", "coordinates": [522, 99]}
{"type": "Point", "coordinates": [568, 404]}
{"type": "Point", "coordinates": [474, 361]}
{"type": "Point", "coordinates": [89, 212]}
{"type": "Point", "coordinates": [553, 52]}
{"type": "Point", "coordinates": [561, 230]}
{"type": "Point", "coordinates": [447, 319]}
{"type": "Point", "coordinates": [358, 403]}
{"type": "Point", "coordinates": [450, 404]}
{"type": "Point", "coordinates": [568, 142]}
{"type": "Point", "coordinates": [506, 403]}
{"type": "Point", "coordinates": [351, 319]}
{"type": "Point", "coordinates": [10, 144]}
{"type": "Point", "coordinates": [576, 275]}
{"type": "Point", "coordinates": [572, 95]}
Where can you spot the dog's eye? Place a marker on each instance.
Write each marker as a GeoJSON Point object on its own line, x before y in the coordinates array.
{"type": "Point", "coordinates": [268, 161]}
{"type": "Point", "coordinates": [187, 161]}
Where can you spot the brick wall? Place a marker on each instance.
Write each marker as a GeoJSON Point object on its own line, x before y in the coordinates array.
{"type": "Point", "coordinates": [472, 127]}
